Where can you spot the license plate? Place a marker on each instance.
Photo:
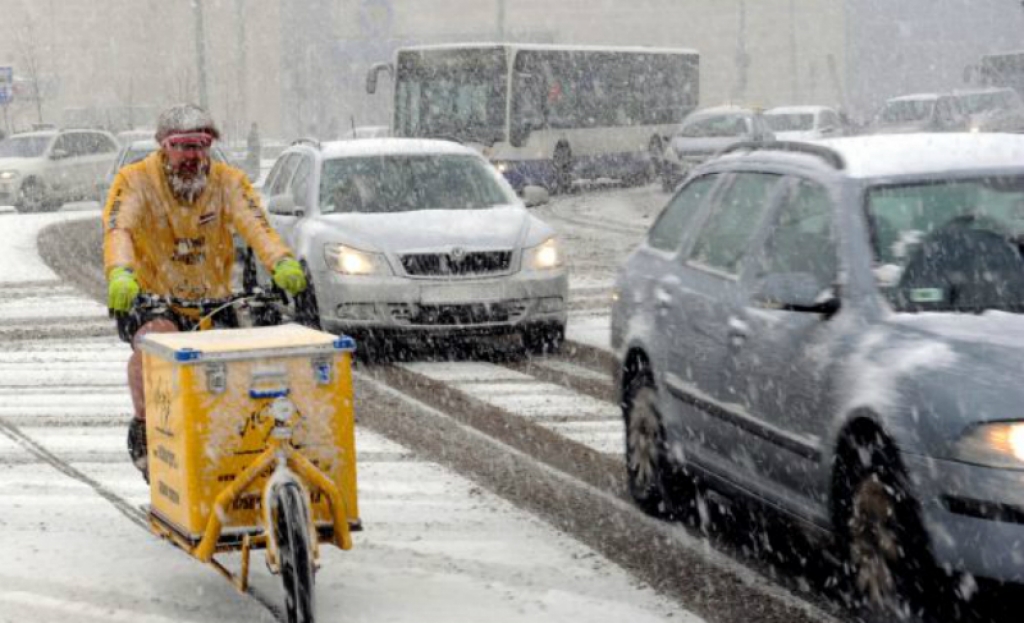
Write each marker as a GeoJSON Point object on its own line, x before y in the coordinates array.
{"type": "Point", "coordinates": [462, 293]}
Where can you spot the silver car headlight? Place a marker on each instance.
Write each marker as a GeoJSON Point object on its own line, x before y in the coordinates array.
{"type": "Point", "coordinates": [8, 175]}
{"type": "Point", "coordinates": [349, 261]}
{"type": "Point", "coordinates": [545, 256]}
{"type": "Point", "coordinates": [999, 444]}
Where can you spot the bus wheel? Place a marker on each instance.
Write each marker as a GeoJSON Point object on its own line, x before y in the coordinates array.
{"type": "Point", "coordinates": [563, 168]}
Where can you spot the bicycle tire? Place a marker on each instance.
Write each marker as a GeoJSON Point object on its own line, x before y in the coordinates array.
{"type": "Point", "coordinates": [294, 550]}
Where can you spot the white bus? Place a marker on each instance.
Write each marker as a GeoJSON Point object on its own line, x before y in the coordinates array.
{"type": "Point", "coordinates": [545, 114]}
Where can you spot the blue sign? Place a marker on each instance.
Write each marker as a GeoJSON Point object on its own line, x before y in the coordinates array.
{"type": "Point", "coordinates": [6, 85]}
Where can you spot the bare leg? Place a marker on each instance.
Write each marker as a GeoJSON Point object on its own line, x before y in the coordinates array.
{"type": "Point", "coordinates": [135, 384]}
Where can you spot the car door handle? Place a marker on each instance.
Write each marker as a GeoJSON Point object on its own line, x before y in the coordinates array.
{"type": "Point", "coordinates": [738, 331]}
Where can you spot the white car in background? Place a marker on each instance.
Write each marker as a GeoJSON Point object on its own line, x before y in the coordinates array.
{"type": "Point", "coordinates": [416, 238]}
{"type": "Point", "coordinates": [134, 152]}
{"type": "Point", "coordinates": [40, 171]}
{"type": "Point", "coordinates": [804, 123]}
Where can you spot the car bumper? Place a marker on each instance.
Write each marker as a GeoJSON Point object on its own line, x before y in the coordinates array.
{"type": "Point", "coordinates": [462, 306]}
{"type": "Point", "coordinates": [974, 516]}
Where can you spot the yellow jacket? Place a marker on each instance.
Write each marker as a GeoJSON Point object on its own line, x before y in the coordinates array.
{"type": "Point", "coordinates": [178, 249]}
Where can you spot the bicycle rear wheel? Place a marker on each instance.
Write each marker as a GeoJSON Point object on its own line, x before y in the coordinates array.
{"type": "Point", "coordinates": [294, 550]}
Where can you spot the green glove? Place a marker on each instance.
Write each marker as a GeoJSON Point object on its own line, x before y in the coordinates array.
{"type": "Point", "coordinates": [122, 289]}
{"type": "Point", "coordinates": [288, 276]}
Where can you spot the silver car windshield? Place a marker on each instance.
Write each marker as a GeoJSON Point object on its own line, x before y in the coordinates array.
{"type": "Point", "coordinates": [24, 146]}
{"type": "Point", "coordinates": [790, 122]}
{"type": "Point", "coordinates": [407, 183]}
{"type": "Point", "coordinates": [714, 127]}
{"type": "Point", "coordinates": [905, 111]}
{"type": "Point", "coordinates": [950, 246]}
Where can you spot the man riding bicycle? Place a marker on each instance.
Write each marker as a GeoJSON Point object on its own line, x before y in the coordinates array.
{"type": "Point", "coordinates": [168, 226]}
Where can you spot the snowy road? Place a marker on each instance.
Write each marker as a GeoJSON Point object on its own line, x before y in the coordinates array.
{"type": "Point", "coordinates": [436, 548]}
{"type": "Point", "coordinates": [545, 434]}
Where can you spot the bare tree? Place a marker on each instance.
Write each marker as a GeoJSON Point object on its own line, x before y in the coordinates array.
{"type": "Point", "coordinates": [30, 54]}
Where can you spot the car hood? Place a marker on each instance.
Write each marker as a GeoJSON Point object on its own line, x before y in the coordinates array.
{"type": "Point", "coordinates": [502, 227]}
{"type": "Point", "coordinates": [986, 349]}
{"type": "Point", "coordinates": [687, 145]}
{"type": "Point", "coordinates": [16, 164]}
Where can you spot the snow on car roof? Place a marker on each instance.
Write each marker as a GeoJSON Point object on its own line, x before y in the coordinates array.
{"type": "Point", "coordinates": [915, 97]}
{"type": "Point", "coordinates": [795, 110]}
{"type": "Point", "coordinates": [551, 47]}
{"type": "Point", "coordinates": [885, 155]}
{"type": "Point", "coordinates": [392, 147]}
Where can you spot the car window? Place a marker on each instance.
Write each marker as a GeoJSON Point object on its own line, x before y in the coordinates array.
{"type": "Point", "coordinates": [403, 183]}
{"type": "Point", "coordinates": [725, 237]}
{"type": "Point", "coordinates": [667, 231]}
{"type": "Point", "coordinates": [801, 238]}
{"type": "Point", "coordinates": [949, 245]}
{"type": "Point", "coordinates": [63, 143]}
{"type": "Point", "coordinates": [284, 167]}
{"type": "Point", "coordinates": [300, 182]}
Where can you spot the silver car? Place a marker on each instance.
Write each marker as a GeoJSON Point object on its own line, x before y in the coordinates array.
{"type": "Point", "coordinates": [416, 238]}
{"type": "Point", "coordinates": [836, 330]}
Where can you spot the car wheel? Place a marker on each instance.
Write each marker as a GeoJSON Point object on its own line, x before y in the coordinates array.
{"type": "Point", "coordinates": [563, 168]}
{"type": "Point", "coordinates": [656, 486]}
{"type": "Point", "coordinates": [888, 558]}
{"type": "Point", "coordinates": [543, 339]}
{"type": "Point", "coordinates": [31, 196]}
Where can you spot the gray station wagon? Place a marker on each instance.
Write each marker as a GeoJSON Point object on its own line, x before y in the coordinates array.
{"type": "Point", "coordinates": [834, 329]}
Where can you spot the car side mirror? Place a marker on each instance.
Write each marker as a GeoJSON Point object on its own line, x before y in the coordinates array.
{"type": "Point", "coordinates": [799, 292]}
{"type": "Point", "coordinates": [59, 154]}
{"type": "Point", "coordinates": [284, 205]}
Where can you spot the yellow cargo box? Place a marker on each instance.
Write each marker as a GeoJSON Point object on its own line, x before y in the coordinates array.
{"type": "Point", "coordinates": [207, 399]}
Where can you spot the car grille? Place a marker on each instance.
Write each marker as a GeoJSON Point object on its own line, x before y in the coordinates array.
{"type": "Point", "coordinates": [458, 315]}
{"type": "Point", "coordinates": [470, 264]}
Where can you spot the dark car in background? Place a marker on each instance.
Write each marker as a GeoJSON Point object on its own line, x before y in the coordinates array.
{"type": "Point", "coordinates": [836, 331]}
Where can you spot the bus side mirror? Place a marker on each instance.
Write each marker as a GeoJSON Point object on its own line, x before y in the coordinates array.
{"type": "Point", "coordinates": [520, 133]}
{"type": "Point", "coordinates": [371, 76]}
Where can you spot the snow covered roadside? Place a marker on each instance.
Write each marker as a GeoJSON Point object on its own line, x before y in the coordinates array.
{"type": "Point", "coordinates": [436, 548]}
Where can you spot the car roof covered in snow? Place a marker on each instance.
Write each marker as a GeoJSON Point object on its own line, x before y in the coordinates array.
{"type": "Point", "coordinates": [915, 97]}
{"type": "Point", "coordinates": [796, 110]}
{"type": "Point", "coordinates": [890, 155]}
{"type": "Point", "coordinates": [392, 147]}
{"type": "Point", "coordinates": [549, 47]}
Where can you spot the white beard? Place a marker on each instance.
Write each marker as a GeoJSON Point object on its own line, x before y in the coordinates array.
{"type": "Point", "coordinates": [187, 189]}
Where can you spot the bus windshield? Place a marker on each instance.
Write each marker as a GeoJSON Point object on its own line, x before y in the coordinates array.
{"type": "Point", "coordinates": [458, 94]}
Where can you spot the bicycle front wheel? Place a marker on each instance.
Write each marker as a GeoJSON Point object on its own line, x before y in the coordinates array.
{"type": "Point", "coordinates": [294, 550]}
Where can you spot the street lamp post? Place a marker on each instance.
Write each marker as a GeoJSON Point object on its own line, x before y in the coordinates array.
{"type": "Point", "coordinates": [197, 13]}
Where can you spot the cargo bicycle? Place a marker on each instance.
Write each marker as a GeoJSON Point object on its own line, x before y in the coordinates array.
{"type": "Point", "coordinates": [251, 441]}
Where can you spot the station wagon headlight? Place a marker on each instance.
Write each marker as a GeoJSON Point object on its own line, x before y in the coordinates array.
{"type": "Point", "coordinates": [1000, 444]}
{"type": "Point", "coordinates": [349, 261]}
{"type": "Point", "coordinates": [8, 175]}
{"type": "Point", "coordinates": [545, 256]}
